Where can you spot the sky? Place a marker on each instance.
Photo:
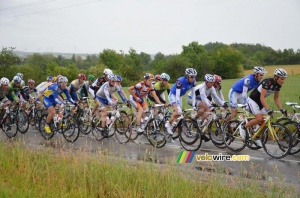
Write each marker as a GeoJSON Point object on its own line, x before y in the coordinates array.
{"type": "Point", "coordinates": [150, 26]}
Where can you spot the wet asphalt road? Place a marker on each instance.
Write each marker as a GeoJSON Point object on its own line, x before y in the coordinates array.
{"type": "Point", "coordinates": [262, 166]}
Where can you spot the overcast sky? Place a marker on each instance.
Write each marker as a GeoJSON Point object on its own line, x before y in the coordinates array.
{"type": "Point", "coordinates": [151, 26]}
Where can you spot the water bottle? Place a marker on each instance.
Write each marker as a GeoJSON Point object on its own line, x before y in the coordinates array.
{"type": "Point", "coordinates": [146, 119]}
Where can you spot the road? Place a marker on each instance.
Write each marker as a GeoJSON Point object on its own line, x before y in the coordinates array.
{"type": "Point", "coordinates": [261, 166]}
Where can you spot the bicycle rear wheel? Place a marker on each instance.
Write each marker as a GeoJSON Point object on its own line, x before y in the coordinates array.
{"type": "Point", "coordinates": [294, 128]}
{"type": "Point", "coordinates": [69, 132]}
{"type": "Point", "coordinates": [232, 137]}
{"type": "Point", "coordinates": [156, 133]}
{"type": "Point", "coordinates": [42, 124]}
{"type": "Point", "coordinates": [215, 134]}
{"type": "Point", "coordinates": [278, 146]}
{"type": "Point", "coordinates": [122, 129]}
{"type": "Point", "coordinates": [22, 121]}
{"type": "Point", "coordinates": [84, 121]}
{"type": "Point", "coordinates": [96, 125]}
{"type": "Point", "coordinates": [190, 136]}
{"type": "Point", "coordinates": [9, 125]}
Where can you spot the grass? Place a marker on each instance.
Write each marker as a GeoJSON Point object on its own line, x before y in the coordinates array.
{"type": "Point", "coordinates": [43, 173]}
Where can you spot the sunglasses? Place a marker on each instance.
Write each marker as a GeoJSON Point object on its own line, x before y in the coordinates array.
{"type": "Point", "coordinates": [192, 76]}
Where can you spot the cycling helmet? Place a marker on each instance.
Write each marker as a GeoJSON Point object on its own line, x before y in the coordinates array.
{"type": "Point", "coordinates": [259, 70]}
{"type": "Point", "coordinates": [107, 71]}
{"type": "Point", "coordinates": [218, 78]}
{"type": "Point", "coordinates": [190, 72]}
{"type": "Point", "coordinates": [119, 78]}
{"type": "Point", "coordinates": [17, 79]}
{"type": "Point", "coordinates": [30, 81]}
{"type": "Point", "coordinates": [20, 75]}
{"type": "Point", "coordinates": [209, 78]}
{"type": "Point", "coordinates": [148, 76]}
{"type": "Point", "coordinates": [4, 81]}
{"type": "Point", "coordinates": [49, 78]}
{"type": "Point", "coordinates": [91, 77]}
{"type": "Point", "coordinates": [157, 77]}
{"type": "Point", "coordinates": [111, 77]}
{"type": "Point", "coordinates": [280, 72]}
{"type": "Point", "coordinates": [165, 76]}
{"type": "Point", "coordinates": [81, 76]}
{"type": "Point", "coordinates": [62, 79]}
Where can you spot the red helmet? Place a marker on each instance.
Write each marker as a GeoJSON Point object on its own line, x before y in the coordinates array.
{"type": "Point", "coordinates": [30, 81]}
{"type": "Point", "coordinates": [81, 76]}
{"type": "Point", "coordinates": [157, 77]}
{"type": "Point", "coordinates": [218, 78]}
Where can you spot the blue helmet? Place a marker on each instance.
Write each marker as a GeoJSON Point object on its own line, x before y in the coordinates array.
{"type": "Point", "coordinates": [119, 78]}
{"type": "Point", "coordinates": [49, 78]}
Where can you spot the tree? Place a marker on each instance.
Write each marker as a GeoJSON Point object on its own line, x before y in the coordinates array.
{"type": "Point", "coordinates": [7, 59]}
{"type": "Point", "coordinates": [145, 58]}
{"type": "Point", "coordinates": [111, 59]}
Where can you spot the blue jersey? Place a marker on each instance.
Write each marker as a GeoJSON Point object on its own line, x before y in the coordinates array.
{"type": "Point", "coordinates": [53, 91]}
{"type": "Point", "coordinates": [248, 81]}
{"type": "Point", "coordinates": [183, 84]}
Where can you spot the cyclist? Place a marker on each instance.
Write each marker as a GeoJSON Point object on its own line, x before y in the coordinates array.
{"type": "Point", "coordinates": [106, 97]}
{"type": "Point", "coordinates": [137, 94]}
{"type": "Point", "coordinates": [51, 99]}
{"type": "Point", "coordinates": [40, 89]}
{"type": "Point", "coordinates": [218, 87]}
{"type": "Point", "coordinates": [15, 87]}
{"type": "Point", "coordinates": [202, 92]}
{"type": "Point", "coordinates": [50, 79]}
{"type": "Point", "coordinates": [75, 85]}
{"type": "Point", "coordinates": [257, 99]}
{"type": "Point", "coordinates": [27, 91]}
{"type": "Point", "coordinates": [160, 87]}
{"type": "Point", "coordinates": [4, 91]}
{"type": "Point", "coordinates": [238, 92]}
{"type": "Point", "coordinates": [97, 84]}
{"type": "Point", "coordinates": [121, 92]}
{"type": "Point", "coordinates": [21, 76]}
{"type": "Point", "coordinates": [179, 89]}
{"type": "Point", "coordinates": [157, 78]}
{"type": "Point", "coordinates": [86, 88]}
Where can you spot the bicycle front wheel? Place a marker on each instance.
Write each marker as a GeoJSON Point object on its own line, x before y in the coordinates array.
{"type": "Point", "coordinates": [215, 134]}
{"type": "Point", "coordinates": [190, 136]}
{"type": "Point", "coordinates": [69, 129]}
{"type": "Point", "coordinates": [156, 133]}
{"type": "Point", "coordinates": [294, 129]}
{"type": "Point", "coordinates": [232, 137]}
{"type": "Point", "coordinates": [9, 125]}
{"type": "Point", "coordinates": [22, 121]}
{"type": "Point", "coordinates": [276, 141]}
{"type": "Point", "coordinates": [123, 129]}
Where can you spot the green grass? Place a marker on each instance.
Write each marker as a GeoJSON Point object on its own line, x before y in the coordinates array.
{"type": "Point", "coordinates": [44, 173]}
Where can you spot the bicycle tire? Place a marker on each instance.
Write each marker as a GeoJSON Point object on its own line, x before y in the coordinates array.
{"type": "Point", "coordinates": [252, 144]}
{"type": "Point", "coordinates": [9, 125]}
{"type": "Point", "coordinates": [42, 123]}
{"type": "Point", "coordinates": [280, 147]}
{"type": "Point", "coordinates": [69, 132]}
{"type": "Point", "coordinates": [282, 120]}
{"type": "Point", "coordinates": [22, 121]}
{"type": "Point", "coordinates": [294, 129]}
{"type": "Point", "coordinates": [83, 122]}
{"type": "Point", "coordinates": [96, 125]}
{"type": "Point", "coordinates": [232, 138]}
{"type": "Point", "coordinates": [156, 133]}
{"type": "Point", "coordinates": [122, 128]}
{"type": "Point", "coordinates": [190, 136]}
{"type": "Point", "coordinates": [216, 134]}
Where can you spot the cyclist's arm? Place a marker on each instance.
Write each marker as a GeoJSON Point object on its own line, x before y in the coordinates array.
{"type": "Point", "coordinates": [277, 100]}
{"type": "Point", "coordinates": [220, 94]}
{"type": "Point", "coordinates": [130, 89]}
{"type": "Point", "coordinates": [216, 98]}
{"type": "Point", "coordinates": [245, 89]}
{"type": "Point", "coordinates": [263, 100]}
{"type": "Point", "coordinates": [107, 95]}
{"type": "Point", "coordinates": [156, 98]}
{"type": "Point", "coordinates": [122, 95]}
{"type": "Point", "coordinates": [12, 94]}
{"type": "Point", "coordinates": [68, 96]}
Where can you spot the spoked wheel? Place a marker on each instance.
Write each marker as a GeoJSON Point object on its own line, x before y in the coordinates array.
{"type": "Point", "coordinates": [9, 126]}
{"type": "Point", "coordinates": [190, 136]}
{"type": "Point", "coordinates": [22, 121]}
{"type": "Point", "coordinates": [96, 125]}
{"type": "Point", "coordinates": [294, 129]}
{"type": "Point", "coordinates": [122, 129]}
{"type": "Point", "coordinates": [253, 144]}
{"type": "Point", "coordinates": [232, 137]}
{"type": "Point", "coordinates": [84, 123]}
{"type": "Point", "coordinates": [69, 129]}
{"type": "Point", "coordinates": [42, 124]}
{"type": "Point", "coordinates": [279, 145]}
{"type": "Point", "coordinates": [282, 120]}
{"type": "Point", "coordinates": [37, 117]}
{"type": "Point", "coordinates": [156, 133]}
{"type": "Point", "coordinates": [215, 134]}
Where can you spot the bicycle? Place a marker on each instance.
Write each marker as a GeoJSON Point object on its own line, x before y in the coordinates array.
{"type": "Point", "coordinates": [275, 138]}
{"type": "Point", "coordinates": [65, 124]}
{"type": "Point", "coordinates": [290, 116]}
{"type": "Point", "coordinates": [34, 111]}
{"type": "Point", "coordinates": [8, 121]}
{"type": "Point", "coordinates": [84, 116]}
{"type": "Point", "coordinates": [118, 124]}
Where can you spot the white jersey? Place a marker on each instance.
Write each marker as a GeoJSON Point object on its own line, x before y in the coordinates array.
{"type": "Point", "coordinates": [202, 92]}
{"type": "Point", "coordinates": [41, 88]}
{"type": "Point", "coordinates": [106, 90]}
{"type": "Point", "coordinates": [88, 88]}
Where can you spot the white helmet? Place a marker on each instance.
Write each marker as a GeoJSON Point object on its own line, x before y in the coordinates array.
{"type": "Point", "coordinates": [4, 81]}
{"type": "Point", "coordinates": [112, 77]}
{"type": "Point", "coordinates": [190, 72]}
{"type": "Point", "coordinates": [17, 79]}
{"type": "Point", "coordinates": [259, 70]}
{"type": "Point", "coordinates": [165, 76]}
{"type": "Point", "coordinates": [62, 79]}
{"type": "Point", "coordinates": [280, 72]}
{"type": "Point", "coordinates": [209, 78]}
{"type": "Point", "coordinates": [107, 71]}
{"type": "Point", "coordinates": [20, 75]}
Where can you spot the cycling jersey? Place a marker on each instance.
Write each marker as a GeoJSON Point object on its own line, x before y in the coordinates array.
{"type": "Point", "coordinates": [183, 84]}
{"type": "Point", "coordinates": [98, 83]}
{"type": "Point", "coordinates": [40, 89]}
{"type": "Point", "coordinates": [85, 89]}
{"type": "Point", "coordinates": [106, 90]}
{"type": "Point", "coordinates": [26, 91]}
{"type": "Point", "coordinates": [74, 87]}
{"type": "Point", "coordinates": [159, 89]}
{"type": "Point", "coordinates": [51, 95]}
{"type": "Point", "coordinates": [141, 89]}
{"type": "Point", "coordinates": [201, 94]}
{"type": "Point", "coordinates": [270, 85]}
{"type": "Point", "coordinates": [5, 93]}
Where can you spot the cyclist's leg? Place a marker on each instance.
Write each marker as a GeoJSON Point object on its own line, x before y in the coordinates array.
{"type": "Point", "coordinates": [233, 100]}
{"type": "Point", "coordinates": [51, 110]}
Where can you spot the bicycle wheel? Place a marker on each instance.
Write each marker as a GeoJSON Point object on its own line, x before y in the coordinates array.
{"type": "Point", "coordinates": [22, 121]}
{"type": "Point", "coordinates": [276, 145]}
{"type": "Point", "coordinates": [134, 133]}
{"type": "Point", "coordinates": [37, 117]}
{"type": "Point", "coordinates": [9, 125]}
{"type": "Point", "coordinates": [232, 138]}
{"type": "Point", "coordinates": [190, 136]}
{"type": "Point", "coordinates": [122, 129]}
{"type": "Point", "coordinates": [69, 132]}
{"type": "Point", "coordinates": [215, 134]}
{"type": "Point", "coordinates": [96, 125]}
{"type": "Point", "coordinates": [156, 133]}
{"type": "Point", "coordinates": [84, 122]}
{"type": "Point", "coordinates": [42, 124]}
{"type": "Point", "coordinates": [252, 143]}
{"type": "Point", "coordinates": [283, 120]}
{"type": "Point", "coordinates": [294, 128]}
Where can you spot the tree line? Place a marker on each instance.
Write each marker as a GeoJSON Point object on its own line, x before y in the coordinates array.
{"type": "Point", "coordinates": [229, 61]}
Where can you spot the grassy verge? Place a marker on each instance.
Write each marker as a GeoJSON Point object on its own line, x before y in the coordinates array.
{"type": "Point", "coordinates": [41, 173]}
